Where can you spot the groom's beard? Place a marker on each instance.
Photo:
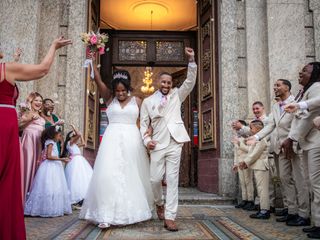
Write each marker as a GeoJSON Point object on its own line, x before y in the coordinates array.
{"type": "Point", "coordinates": [165, 93]}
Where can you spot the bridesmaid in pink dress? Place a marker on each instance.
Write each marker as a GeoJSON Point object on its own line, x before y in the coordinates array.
{"type": "Point", "coordinates": [33, 125]}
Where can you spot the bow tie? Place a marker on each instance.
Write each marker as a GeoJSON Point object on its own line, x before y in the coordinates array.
{"type": "Point", "coordinates": [281, 104]}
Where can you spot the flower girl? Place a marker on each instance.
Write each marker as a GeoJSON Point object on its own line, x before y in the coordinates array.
{"type": "Point", "coordinates": [78, 170]}
{"type": "Point", "coordinates": [49, 195]}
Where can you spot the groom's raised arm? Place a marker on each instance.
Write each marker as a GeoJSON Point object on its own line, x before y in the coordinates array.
{"type": "Point", "coordinates": [144, 123]}
{"type": "Point", "coordinates": [190, 82]}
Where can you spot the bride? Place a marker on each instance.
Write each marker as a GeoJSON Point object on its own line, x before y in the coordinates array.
{"type": "Point", "coordinates": [119, 192]}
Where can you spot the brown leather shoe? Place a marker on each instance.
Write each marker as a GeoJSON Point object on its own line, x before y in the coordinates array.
{"type": "Point", "coordinates": [170, 225]}
{"type": "Point", "coordinates": [160, 212]}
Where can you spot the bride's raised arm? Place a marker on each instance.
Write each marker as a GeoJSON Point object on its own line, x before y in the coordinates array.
{"type": "Point", "coordinates": [105, 92]}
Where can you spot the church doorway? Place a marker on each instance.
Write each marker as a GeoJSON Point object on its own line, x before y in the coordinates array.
{"type": "Point", "coordinates": [151, 35]}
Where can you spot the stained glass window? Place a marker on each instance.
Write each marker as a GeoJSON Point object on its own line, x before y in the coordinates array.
{"type": "Point", "coordinates": [132, 50]}
{"type": "Point", "coordinates": [172, 51]}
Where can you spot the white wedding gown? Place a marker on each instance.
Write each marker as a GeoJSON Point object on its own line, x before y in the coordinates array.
{"type": "Point", "coordinates": [120, 191]}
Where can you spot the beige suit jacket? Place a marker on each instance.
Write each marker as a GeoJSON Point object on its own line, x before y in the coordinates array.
{"type": "Point", "coordinates": [302, 129]}
{"type": "Point", "coordinates": [257, 157]}
{"type": "Point", "coordinates": [240, 151]}
{"type": "Point", "coordinates": [279, 124]}
{"type": "Point", "coordinates": [166, 121]}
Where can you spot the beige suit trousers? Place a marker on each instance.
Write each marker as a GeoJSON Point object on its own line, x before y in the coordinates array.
{"type": "Point", "coordinates": [313, 158]}
{"type": "Point", "coordinates": [246, 183]}
{"type": "Point", "coordinates": [166, 161]}
{"type": "Point", "coordinates": [272, 193]}
{"type": "Point", "coordinates": [295, 184]}
{"type": "Point", "coordinates": [277, 169]}
{"type": "Point", "coordinates": [262, 181]}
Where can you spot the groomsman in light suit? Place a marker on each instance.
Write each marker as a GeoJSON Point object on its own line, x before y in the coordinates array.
{"type": "Point", "coordinates": [293, 172]}
{"type": "Point", "coordinates": [304, 132]}
{"type": "Point", "coordinates": [162, 111]}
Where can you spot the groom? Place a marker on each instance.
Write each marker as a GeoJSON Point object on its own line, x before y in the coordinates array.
{"type": "Point", "coordinates": [162, 111]}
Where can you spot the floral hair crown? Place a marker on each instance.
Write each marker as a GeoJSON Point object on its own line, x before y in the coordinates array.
{"type": "Point", "coordinates": [120, 75]}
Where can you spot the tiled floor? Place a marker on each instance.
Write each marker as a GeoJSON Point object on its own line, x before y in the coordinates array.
{"type": "Point", "coordinates": [195, 222]}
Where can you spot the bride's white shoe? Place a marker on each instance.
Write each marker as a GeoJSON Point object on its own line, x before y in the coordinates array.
{"type": "Point", "coordinates": [103, 225]}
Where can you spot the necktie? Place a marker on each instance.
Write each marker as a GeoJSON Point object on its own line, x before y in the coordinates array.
{"type": "Point", "coordinates": [164, 100]}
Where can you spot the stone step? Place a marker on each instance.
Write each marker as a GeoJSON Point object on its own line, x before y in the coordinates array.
{"type": "Point", "coordinates": [192, 196]}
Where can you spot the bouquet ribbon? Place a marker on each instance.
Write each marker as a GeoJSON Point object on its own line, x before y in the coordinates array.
{"type": "Point", "coordinates": [86, 64]}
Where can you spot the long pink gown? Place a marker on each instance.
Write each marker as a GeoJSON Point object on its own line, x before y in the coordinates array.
{"type": "Point", "coordinates": [31, 151]}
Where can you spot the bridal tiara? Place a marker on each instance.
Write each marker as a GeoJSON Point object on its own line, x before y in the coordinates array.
{"type": "Point", "coordinates": [120, 75]}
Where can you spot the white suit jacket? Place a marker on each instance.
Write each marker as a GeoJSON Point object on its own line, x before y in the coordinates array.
{"type": "Point", "coordinates": [279, 123]}
{"type": "Point", "coordinates": [302, 128]}
{"type": "Point", "coordinates": [166, 121]}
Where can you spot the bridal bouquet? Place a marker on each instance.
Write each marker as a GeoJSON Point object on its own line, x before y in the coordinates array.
{"type": "Point", "coordinates": [95, 43]}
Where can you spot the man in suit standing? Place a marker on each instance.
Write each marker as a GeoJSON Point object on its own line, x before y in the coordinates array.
{"type": "Point", "coordinates": [162, 111]}
{"type": "Point", "coordinates": [293, 172]}
{"type": "Point", "coordinates": [304, 132]}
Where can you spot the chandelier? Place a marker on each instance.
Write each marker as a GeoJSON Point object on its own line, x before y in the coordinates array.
{"type": "Point", "coordinates": [147, 88]}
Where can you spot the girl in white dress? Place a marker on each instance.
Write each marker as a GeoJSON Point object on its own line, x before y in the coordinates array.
{"type": "Point", "coordinates": [120, 191]}
{"type": "Point", "coordinates": [49, 196]}
{"type": "Point", "coordinates": [78, 170]}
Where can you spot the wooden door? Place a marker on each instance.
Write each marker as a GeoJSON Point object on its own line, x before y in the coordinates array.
{"type": "Point", "coordinates": [92, 97]}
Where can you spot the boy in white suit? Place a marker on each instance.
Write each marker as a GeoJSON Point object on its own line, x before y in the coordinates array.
{"type": "Point", "coordinates": [162, 110]}
{"type": "Point", "coordinates": [257, 160]}
{"type": "Point", "coordinates": [245, 175]}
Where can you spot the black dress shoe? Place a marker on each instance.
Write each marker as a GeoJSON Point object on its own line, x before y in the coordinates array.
{"type": "Point", "coordinates": [249, 204]}
{"type": "Point", "coordinates": [261, 215]}
{"type": "Point", "coordinates": [311, 229]}
{"type": "Point", "coordinates": [241, 205]}
{"type": "Point", "coordinates": [299, 221]}
{"type": "Point", "coordinates": [252, 207]}
{"type": "Point", "coordinates": [315, 234]}
{"type": "Point", "coordinates": [287, 218]}
{"type": "Point", "coordinates": [282, 212]}
{"type": "Point", "coordinates": [272, 209]}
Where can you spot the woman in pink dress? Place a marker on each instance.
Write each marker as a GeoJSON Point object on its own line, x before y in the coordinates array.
{"type": "Point", "coordinates": [11, 209]}
{"type": "Point", "coordinates": [33, 125]}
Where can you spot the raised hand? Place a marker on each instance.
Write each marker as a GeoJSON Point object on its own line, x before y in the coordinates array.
{"type": "Point", "coordinates": [291, 107]}
{"type": "Point", "coordinates": [17, 54]}
{"type": "Point", "coordinates": [236, 125]}
{"type": "Point", "coordinates": [61, 42]}
{"type": "Point", "coordinates": [189, 53]}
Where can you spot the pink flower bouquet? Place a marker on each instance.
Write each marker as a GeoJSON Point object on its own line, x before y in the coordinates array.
{"type": "Point", "coordinates": [95, 42]}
